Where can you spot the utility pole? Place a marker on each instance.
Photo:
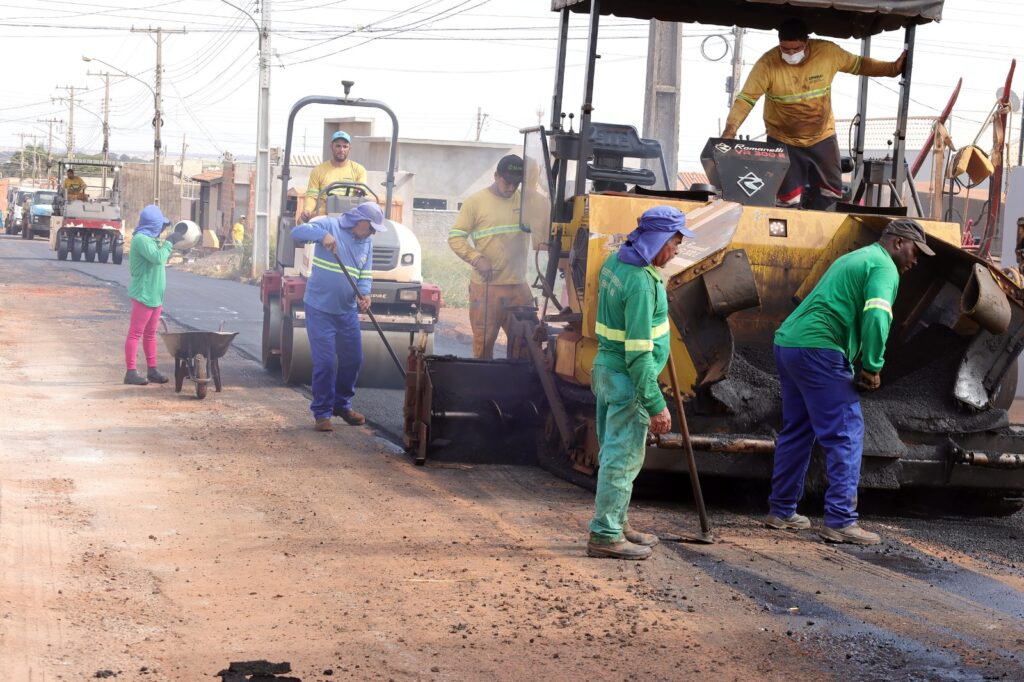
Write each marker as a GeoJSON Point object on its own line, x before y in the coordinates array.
{"type": "Point", "coordinates": [158, 120]}
{"type": "Point", "coordinates": [70, 99]}
{"type": "Point", "coordinates": [181, 173]}
{"type": "Point", "coordinates": [21, 172]}
{"type": "Point", "coordinates": [106, 120]}
{"type": "Point", "coordinates": [733, 85]}
{"type": "Point", "coordinates": [661, 97]}
{"type": "Point", "coordinates": [481, 120]}
{"type": "Point", "coordinates": [49, 137]}
{"type": "Point", "coordinates": [261, 233]}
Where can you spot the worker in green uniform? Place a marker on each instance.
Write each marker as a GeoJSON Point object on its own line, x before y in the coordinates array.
{"type": "Point", "coordinates": [633, 345]}
{"type": "Point", "coordinates": [844, 320]}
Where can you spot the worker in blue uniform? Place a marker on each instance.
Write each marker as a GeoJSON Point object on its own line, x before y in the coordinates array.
{"type": "Point", "coordinates": [333, 307]}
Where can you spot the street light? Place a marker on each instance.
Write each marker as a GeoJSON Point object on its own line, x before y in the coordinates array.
{"type": "Point", "coordinates": [157, 123]}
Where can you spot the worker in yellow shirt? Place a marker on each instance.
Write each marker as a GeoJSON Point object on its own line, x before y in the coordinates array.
{"type": "Point", "coordinates": [74, 186]}
{"type": "Point", "coordinates": [487, 235]}
{"type": "Point", "coordinates": [238, 232]}
{"type": "Point", "coordinates": [339, 169]}
{"type": "Point", "coordinates": [796, 80]}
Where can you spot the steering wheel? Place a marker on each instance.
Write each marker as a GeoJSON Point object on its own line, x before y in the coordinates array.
{"type": "Point", "coordinates": [361, 188]}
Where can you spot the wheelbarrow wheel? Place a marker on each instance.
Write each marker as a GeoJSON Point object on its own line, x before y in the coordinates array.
{"type": "Point", "coordinates": [201, 375]}
{"type": "Point", "coordinates": [180, 371]}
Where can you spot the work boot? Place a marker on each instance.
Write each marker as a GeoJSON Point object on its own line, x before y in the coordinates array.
{"type": "Point", "coordinates": [638, 538]}
{"type": "Point", "coordinates": [350, 416]}
{"type": "Point", "coordinates": [324, 424]}
{"type": "Point", "coordinates": [155, 377]}
{"type": "Point", "coordinates": [621, 549]}
{"type": "Point", "coordinates": [794, 522]}
{"type": "Point", "coordinates": [133, 378]}
{"type": "Point", "coordinates": [853, 534]}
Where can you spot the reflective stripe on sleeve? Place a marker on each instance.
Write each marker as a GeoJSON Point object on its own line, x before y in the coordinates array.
{"type": "Point", "coordinates": [749, 100]}
{"type": "Point", "coordinates": [453, 233]}
{"type": "Point", "coordinates": [660, 330]}
{"type": "Point", "coordinates": [639, 345]}
{"type": "Point", "coordinates": [878, 304]}
{"type": "Point", "coordinates": [609, 333]}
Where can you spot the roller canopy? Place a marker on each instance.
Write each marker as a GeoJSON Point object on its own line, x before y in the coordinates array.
{"type": "Point", "coordinates": [833, 18]}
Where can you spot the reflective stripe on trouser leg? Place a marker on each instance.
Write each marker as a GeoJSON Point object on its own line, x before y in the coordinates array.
{"type": "Point", "coordinates": [791, 189]}
{"type": "Point", "coordinates": [622, 437]}
{"type": "Point", "coordinates": [349, 343]}
{"type": "Point", "coordinates": [498, 296]}
{"type": "Point", "coordinates": [793, 446]}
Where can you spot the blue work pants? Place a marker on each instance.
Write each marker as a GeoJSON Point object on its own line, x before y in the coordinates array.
{"type": "Point", "coordinates": [622, 424]}
{"type": "Point", "coordinates": [337, 349]}
{"type": "Point", "coordinates": [819, 401]}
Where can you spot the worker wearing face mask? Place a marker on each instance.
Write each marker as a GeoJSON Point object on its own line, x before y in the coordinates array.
{"type": "Point", "coordinates": [796, 80]}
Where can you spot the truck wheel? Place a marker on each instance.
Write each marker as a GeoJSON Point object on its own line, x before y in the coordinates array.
{"type": "Point", "coordinates": [201, 375]}
{"type": "Point", "coordinates": [62, 245]}
{"type": "Point", "coordinates": [90, 248]}
{"type": "Point", "coordinates": [272, 314]}
{"type": "Point", "coordinates": [76, 247]}
{"type": "Point", "coordinates": [117, 254]}
{"type": "Point", "coordinates": [296, 357]}
{"type": "Point", "coordinates": [103, 249]}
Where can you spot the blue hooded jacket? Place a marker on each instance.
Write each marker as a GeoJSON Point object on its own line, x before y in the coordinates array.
{"type": "Point", "coordinates": [327, 289]}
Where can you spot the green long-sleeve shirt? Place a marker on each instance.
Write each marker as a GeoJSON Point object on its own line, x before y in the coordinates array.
{"type": "Point", "coordinates": [147, 264]}
{"type": "Point", "coordinates": [632, 327]}
{"type": "Point", "coordinates": [849, 310]}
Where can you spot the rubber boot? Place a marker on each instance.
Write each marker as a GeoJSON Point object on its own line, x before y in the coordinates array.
{"type": "Point", "coordinates": [155, 377]}
{"type": "Point", "coordinates": [133, 378]}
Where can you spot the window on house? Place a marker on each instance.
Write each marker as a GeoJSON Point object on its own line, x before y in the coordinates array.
{"type": "Point", "coordinates": [430, 204]}
{"type": "Point", "coordinates": [190, 190]}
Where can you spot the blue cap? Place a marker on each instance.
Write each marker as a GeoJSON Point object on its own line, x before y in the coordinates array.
{"type": "Point", "coordinates": [341, 135]}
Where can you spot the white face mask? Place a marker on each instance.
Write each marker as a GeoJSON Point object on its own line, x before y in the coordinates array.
{"type": "Point", "coordinates": [793, 59]}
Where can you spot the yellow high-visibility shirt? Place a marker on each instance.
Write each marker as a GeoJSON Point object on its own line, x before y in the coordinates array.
{"type": "Point", "coordinates": [798, 99]}
{"type": "Point", "coordinates": [326, 173]}
{"type": "Point", "coordinates": [74, 187]}
{"type": "Point", "coordinates": [238, 233]}
{"type": "Point", "coordinates": [492, 222]}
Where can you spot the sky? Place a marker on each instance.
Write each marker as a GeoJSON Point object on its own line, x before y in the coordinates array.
{"type": "Point", "coordinates": [437, 63]}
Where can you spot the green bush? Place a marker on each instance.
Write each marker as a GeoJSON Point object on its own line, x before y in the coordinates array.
{"type": "Point", "coordinates": [443, 268]}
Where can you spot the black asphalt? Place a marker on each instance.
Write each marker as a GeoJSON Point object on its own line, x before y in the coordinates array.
{"type": "Point", "coordinates": [202, 303]}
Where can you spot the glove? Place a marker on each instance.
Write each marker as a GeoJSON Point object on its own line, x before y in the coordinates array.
{"type": "Point", "coordinates": [868, 381]}
{"type": "Point", "coordinates": [174, 238]}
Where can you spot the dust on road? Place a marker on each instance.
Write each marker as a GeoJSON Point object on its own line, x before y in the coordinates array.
{"type": "Point", "coordinates": [159, 537]}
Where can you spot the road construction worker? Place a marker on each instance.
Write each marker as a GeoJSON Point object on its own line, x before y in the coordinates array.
{"type": "Point", "coordinates": [238, 232]}
{"type": "Point", "coordinates": [332, 307]}
{"type": "Point", "coordinates": [845, 319]}
{"type": "Point", "coordinates": [633, 346]}
{"type": "Point", "coordinates": [796, 79]}
{"type": "Point", "coordinates": [339, 169]}
{"type": "Point", "coordinates": [74, 186]}
{"type": "Point", "coordinates": [498, 254]}
{"type": "Point", "coordinates": [147, 263]}
{"type": "Point", "coordinates": [26, 217]}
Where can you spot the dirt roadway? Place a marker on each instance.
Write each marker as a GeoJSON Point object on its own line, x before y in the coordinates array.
{"type": "Point", "coordinates": [159, 537]}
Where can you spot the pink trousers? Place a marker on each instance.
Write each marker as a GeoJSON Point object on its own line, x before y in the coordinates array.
{"type": "Point", "coordinates": [142, 326]}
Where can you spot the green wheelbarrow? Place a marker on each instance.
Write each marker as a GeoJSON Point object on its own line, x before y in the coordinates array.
{"type": "Point", "coordinates": [196, 356]}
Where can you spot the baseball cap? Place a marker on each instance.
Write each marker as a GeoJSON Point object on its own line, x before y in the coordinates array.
{"type": "Point", "coordinates": [341, 135]}
{"type": "Point", "coordinates": [909, 229]}
{"type": "Point", "coordinates": [511, 168]}
{"type": "Point", "coordinates": [369, 211]}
